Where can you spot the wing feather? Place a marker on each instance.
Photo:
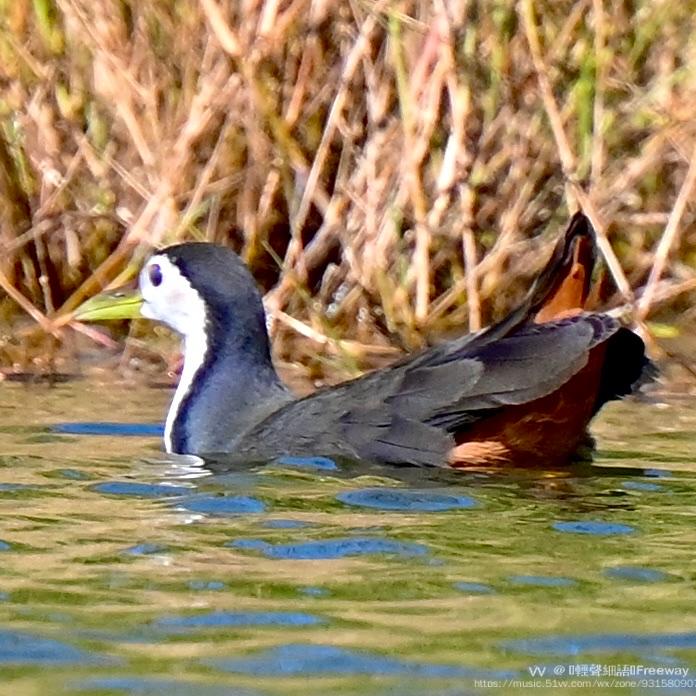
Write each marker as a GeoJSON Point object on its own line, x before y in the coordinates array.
{"type": "Point", "coordinates": [407, 413]}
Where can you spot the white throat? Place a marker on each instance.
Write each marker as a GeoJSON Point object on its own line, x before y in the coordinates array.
{"type": "Point", "coordinates": [169, 297]}
{"type": "Point", "coordinates": [195, 347]}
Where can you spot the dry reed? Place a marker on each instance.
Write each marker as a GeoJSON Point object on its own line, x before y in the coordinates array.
{"type": "Point", "coordinates": [389, 170]}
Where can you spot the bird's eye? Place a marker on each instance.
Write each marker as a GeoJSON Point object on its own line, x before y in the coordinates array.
{"type": "Point", "coordinates": [155, 273]}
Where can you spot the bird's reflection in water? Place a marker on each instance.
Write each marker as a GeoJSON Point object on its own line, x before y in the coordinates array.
{"type": "Point", "coordinates": [581, 487]}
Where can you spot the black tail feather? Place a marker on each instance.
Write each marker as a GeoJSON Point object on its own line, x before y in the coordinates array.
{"type": "Point", "coordinates": [626, 367]}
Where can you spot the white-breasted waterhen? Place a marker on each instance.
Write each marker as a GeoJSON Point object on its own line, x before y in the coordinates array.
{"type": "Point", "coordinates": [521, 392]}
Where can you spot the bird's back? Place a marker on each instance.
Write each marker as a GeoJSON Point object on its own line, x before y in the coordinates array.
{"type": "Point", "coordinates": [520, 392]}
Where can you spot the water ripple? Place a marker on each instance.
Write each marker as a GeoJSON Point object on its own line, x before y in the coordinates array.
{"type": "Point", "coordinates": [211, 585]}
{"type": "Point", "coordinates": [286, 524]}
{"type": "Point", "coordinates": [317, 463]}
{"type": "Point", "coordinates": [221, 619]}
{"type": "Point", "coordinates": [25, 648]}
{"type": "Point", "coordinates": [617, 642]}
{"type": "Point", "coordinates": [541, 581]}
{"type": "Point", "coordinates": [152, 686]}
{"type": "Point", "coordinates": [110, 429]}
{"type": "Point", "coordinates": [140, 490]}
{"type": "Point", "coordinates": [473, 587]}
{"type": "Point", "coordinates": [221, 505]}
{"type": "Point", "coordinates": [642, 486]}
{"type": "Point", "coordinates": [331, 548]}
{"type": "Point", "coordinates": [637, 574]}
{"type": "Point", "coordinates": [305, 660]}
{"type": "Point", "coordinates": [594, 527]}
{"type": "Point", "coordinates": [144, 549]}
{"type": "Point", "coordinates": [407, 500]}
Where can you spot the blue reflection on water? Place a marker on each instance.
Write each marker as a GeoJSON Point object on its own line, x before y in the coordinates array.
{"type": "Point", "coordinates": [332, 548]}
{"type": "Point", "coordinates": [17, 647]}
{"type": "Point", "coordinates": [144, 549]}
{"type": "Point", "coordinates": [220, 619]}
{"type": "Point", "coordinates": [74, 474]}
{"type": "Point", "coordinates": [140, 490]}
{"type": "Point", "coordinates": [12, 487]}
{"type": "Point", "coordinates": [408, 500]}
{"type": "Point", "coordinates": [299, 659]}
{"type": "Point", "coordinates": [657, 473]}
{"type": "Point", "coordinates": [318, 463]}
{"type": "Point", "coordinates": [152, 686]}
{"type": "Point", "coordinates": [312, 591]}
{"type": "Point", "coordinates": [286, 524]}
{"type": "Point", "coordinates": [642, 486]}
{"type": "Point", "coordinates": [637, 574]}
{"type": "Point", "coordinates": [542, 581]}
{"type": "Point", "coordinates": [595, 527]}
{"type": "Point", "coordinates": [618, 642]}
{"type": "Point", "coordinates": [221, 505]}
{"type": "Point", "coordinates": [473, 587]}
{"type": "Point", "coordinates": [212, 585]}
{"type": "Point", "coordinates": [112, 429]}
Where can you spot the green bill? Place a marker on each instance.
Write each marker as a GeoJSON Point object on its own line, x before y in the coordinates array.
{"type": "Point", "coordinates": [117, 304]}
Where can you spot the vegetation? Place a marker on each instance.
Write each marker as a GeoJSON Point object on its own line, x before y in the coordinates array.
{"type": "Point", "coordinates": [388, 169]}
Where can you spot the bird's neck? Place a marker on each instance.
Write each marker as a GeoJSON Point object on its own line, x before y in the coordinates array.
{"type": "Point", "coordinates": [228, 383]}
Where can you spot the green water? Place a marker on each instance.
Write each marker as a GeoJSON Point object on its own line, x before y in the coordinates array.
{"type": "Point", "coordinates": [123, 571]}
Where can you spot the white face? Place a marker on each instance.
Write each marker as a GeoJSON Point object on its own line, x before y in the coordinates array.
{"type": "Point", "coordinates": [168, 297]}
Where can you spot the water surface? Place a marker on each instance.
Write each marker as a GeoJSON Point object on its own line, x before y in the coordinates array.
{"type": "Point", "coordinates": [123, 571]}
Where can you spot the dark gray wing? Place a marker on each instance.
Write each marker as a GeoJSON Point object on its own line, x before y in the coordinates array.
{"type": "Point", "coordinates": [408, 412]}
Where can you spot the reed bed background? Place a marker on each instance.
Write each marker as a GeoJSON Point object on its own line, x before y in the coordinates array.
{"type": "Point", "coordinates": [389, 170]}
